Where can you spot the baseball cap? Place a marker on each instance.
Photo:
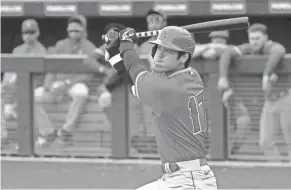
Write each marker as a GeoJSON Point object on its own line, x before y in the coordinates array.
{"type": "Point", "coordinates": [258, 27]}
{"type": "Point", "coordinates": [157, 12]}
{"type": "Point", "coordinates": [29, 25]}
{"type": "Point", "coordinates": [222, 34]}
{"type": "Point", "coordinates": [81, 19]}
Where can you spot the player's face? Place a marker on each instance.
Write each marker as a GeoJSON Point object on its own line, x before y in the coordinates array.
{"type": "Point", "coordinates": [165, 60]}
{"type": "Point", "coordinates": [257, 40]}
{"type": "Point", "coordinates": [29, 36]}
{"type": "Point", "coordinates": [155, 22]}
{"type": "Point", "coordinates": [75, 31]}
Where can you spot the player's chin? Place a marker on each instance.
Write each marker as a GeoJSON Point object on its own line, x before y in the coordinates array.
{"type": "Point", "coordinates": [159, 69]}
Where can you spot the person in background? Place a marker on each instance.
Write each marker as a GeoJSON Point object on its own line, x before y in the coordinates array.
{"type": "Point", "coordinates": [156, 20]}
{"type": "Point", "coordinates": [212, 51]}
{"type": "Point", "coordinates": [142, 130]}
{"type": "Point", "coordinates": [74, 85]}
{"type": "Point", "coordinates": [31, 46]}
{"type": "Point", "coordinates": [277, 105]}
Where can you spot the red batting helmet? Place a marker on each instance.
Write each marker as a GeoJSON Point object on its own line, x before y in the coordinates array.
{"type": "Point", "coordinates": [176, 38]}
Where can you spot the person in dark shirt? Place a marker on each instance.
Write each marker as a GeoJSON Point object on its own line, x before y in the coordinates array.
{"type": "Point", "coordinates": [277, 97]}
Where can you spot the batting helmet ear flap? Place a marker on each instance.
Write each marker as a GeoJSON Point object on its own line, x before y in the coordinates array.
{"type": "Point", "coordinates": [154, 50]}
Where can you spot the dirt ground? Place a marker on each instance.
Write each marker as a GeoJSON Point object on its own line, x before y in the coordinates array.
{"type": "Point", "coordinates": [46, 175]}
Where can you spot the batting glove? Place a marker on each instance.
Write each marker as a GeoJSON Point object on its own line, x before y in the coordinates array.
{"type": "Point", "coordinates": [112, 54]}
{"type": "Point", "coordinates": [127, 38]}
{"type": "Point", "coordinates": [128, 34]}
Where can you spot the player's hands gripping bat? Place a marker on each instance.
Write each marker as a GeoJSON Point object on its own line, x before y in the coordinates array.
{"type": "Point", "coordinates": [125, 36]}
{"type": "Point", "coordinates": [112, 54]}
{"type": "Point", "coordinates": [128, 34]}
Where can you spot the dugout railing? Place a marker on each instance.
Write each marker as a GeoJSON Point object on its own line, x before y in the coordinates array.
{"type": "Point", "coordinates": [123, 143]}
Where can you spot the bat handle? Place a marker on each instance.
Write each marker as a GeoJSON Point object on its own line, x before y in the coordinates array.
{"type": "Point", "coordinates": [106, 38]}
{"type": "Point", "coordinates": [147, 33]}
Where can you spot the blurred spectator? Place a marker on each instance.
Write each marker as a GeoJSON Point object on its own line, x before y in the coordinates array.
{"type": "Point", "coordinates": [156, 20]}
{"type": "Point", "coordinates": [277, 106]}
{"type": "Point", "coordinates": [30, 33]}
{"type": "Point", "coordinates": [74, 85]}
{"type": "Point", "coordinates": [141, 121]}
{"type": "Point", "coordinates": [212, 50]}
{"type": "Point", "coordinates": [242, 122]}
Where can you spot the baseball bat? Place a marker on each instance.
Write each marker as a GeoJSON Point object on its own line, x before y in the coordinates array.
{"type": "Point", "coordinates": [216, 25]}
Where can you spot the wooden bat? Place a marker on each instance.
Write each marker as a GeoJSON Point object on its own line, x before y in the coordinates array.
{"type": "Point", "coordinates": [216, 25]}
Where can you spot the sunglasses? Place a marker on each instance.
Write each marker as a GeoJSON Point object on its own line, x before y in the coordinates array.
{"type": "Point", "coordinates": [31, 32]}
{"type": "Point", "coordinates": [76, 31]}
{"type": "Point", "coordinates": [154, 19]}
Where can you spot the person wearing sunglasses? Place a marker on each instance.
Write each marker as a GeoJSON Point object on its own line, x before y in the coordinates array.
{"type": "Point", "coordinates": [29, 33]}
{"type": "Point", "coordinates": [74, 85]}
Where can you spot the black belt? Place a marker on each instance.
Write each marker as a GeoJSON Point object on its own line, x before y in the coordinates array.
{"type": "Point", "coordinates": [174, 167]}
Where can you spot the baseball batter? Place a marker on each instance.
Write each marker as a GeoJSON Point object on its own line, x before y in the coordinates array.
{"type": "Point", "coordinates": [175, 93]}
{"type": "Point", "coordinates": [277, 97]}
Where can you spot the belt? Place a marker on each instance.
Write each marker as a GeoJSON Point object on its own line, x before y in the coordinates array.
{"type": "Point", "coordinates": [176, 166]}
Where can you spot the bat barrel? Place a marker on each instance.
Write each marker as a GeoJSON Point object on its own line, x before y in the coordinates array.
{"type": "Point", "coordinates": [224, 24]}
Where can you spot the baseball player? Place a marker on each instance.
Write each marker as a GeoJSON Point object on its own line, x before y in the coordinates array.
{"type": "Point", "coordinates": [57, 86]}
{"type": "Point", "coordinates": [174, 91]}
{"type": "Point", "coordinates": [31, 46]}
{"type": "Point", "coordinates": [277, 97]}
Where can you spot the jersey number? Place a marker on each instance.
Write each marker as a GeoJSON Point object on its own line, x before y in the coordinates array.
{"type": "Point", "coordinates": [195, 106]}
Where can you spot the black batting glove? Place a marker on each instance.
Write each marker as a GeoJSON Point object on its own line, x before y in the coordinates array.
{"type": "Point", "coordinates": [128, 38]}
{"type": "Point", "coordinates": [112, 53]}
{"type": "Point", "coordinates": [128, 34]}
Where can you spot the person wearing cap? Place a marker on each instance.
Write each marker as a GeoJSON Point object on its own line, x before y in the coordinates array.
{"type": "Point", "coordinates": [277, 105]}
{"type": "Point", "coordinates": [74, 85]}
{"type": "Point", "coordinates": [31, 46]}
{"type": "Point", "coordinates": [212, 51]}
{"type": "Point", "coordinates": [156, 20]}
{"type": "Point", "coordinates": [174, 91]}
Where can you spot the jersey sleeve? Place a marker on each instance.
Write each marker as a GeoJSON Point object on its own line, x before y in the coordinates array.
{"type": "Point", "coordinates": [157, 91]}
